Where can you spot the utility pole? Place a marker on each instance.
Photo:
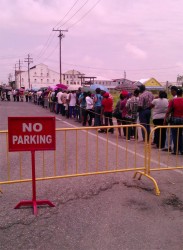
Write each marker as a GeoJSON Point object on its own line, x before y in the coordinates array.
{"type": "Point", "coordinates": [19, 67]}
{"type": "Point", "coordinates": [61, 35]}
{"type": "Point", "coordinates": [29, 60]}
{"type": "Point", "coordinates": [15, 75]}
{"type": "Point", "coordinates": [124, 74]}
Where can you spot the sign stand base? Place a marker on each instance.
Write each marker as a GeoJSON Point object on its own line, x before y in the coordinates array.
{"type": "Point", "coordinates": [34, 202]}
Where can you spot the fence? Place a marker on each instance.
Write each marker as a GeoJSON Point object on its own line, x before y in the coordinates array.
{"type": "Point", "coordinates": [174, 145]}
{"type": "Point", "coordinates": [79, 152]}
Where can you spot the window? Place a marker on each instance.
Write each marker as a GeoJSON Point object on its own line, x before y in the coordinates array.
{"type": "Point", "coordinates": [22, 80]}
{"type": "Point", "coordinates": [47, 74]}
{"type": "Point", "coordinates": [41, 74]}
{"type": "Point", "coordinates": [67, 82]}
{"type": "Point", "coordinates": [53, 80]}
{"type": "Point", "coordinates": [35, 73]}
{"type": "Point", "coordinates": [47, 80]}
{"type": "Point", "coordinates": [41, 80]}
{"type": "Point", "coordinates": [35, 80]}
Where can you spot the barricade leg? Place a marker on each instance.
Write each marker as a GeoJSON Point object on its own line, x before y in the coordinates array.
{"type": "Point", "coordinates": [157, 191]}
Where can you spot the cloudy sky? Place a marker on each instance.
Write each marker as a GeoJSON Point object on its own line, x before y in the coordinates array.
{"type": "Point", "coordinates": [104, 38]}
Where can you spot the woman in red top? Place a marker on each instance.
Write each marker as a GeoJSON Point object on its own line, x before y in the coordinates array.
{"type": "Point", "coordinates": [175, 108]}
{"type": "Point", "coordinates": [107, 108]}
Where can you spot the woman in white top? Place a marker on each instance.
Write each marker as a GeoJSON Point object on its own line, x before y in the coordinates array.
{"type": "Point", "coordinates": [89, 110]}
{"type": "Point", "coordinates": [159, 106]}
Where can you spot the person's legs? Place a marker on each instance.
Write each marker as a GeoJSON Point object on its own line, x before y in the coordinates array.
{"type": "Point", "coordinates": [90, 117]}
{"type": "Point", "coordinates": [144, 117]}
{"type": "Point", "coordinates": [97, 116]}
{"type": "Point", "coordinates": [85, 115]}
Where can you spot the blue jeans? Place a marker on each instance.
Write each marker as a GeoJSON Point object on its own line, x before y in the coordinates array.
{"type": "Point", "coordinates": [177, 135]}
{"type": "Point", "coordinates": [144, 118]}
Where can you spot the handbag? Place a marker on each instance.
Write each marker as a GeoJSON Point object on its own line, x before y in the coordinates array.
{"type": "Point", "coordinates": [116, 113]}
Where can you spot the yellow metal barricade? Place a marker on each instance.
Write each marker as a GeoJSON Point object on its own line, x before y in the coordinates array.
{"type": "Point", "coordinates": [79, 151]}
{"type": "Point", "coordinates": [169, 160]}
{"type": "Point", "coordinates": [162, 159]}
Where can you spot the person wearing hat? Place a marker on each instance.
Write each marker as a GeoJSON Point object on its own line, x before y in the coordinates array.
{"type": "Point", "coordinates": [107, 108]}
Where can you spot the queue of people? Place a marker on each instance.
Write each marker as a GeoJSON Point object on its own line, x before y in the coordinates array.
{"type": "Point", "coordinates": [96, 109]}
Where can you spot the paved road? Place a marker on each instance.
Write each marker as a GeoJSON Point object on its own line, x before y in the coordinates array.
{"type": "Point", "coordinates": [103, 212]}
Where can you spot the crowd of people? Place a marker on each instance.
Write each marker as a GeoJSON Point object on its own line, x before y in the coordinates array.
{"type": "Point", "coordinates": [97, 109]}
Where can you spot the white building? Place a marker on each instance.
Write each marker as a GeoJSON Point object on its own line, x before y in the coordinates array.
{"type": "Point", "coordinates": [40, 76]}
{"type": "Point", "coordinates": [72, 77]}
{"type": "Point", "coordinates": [108, 83]}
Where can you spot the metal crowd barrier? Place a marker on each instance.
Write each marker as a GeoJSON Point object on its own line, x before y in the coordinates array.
{"type": "Point", "coordinates": [79, 151]}
{"type": "Point", "coordinates": [171, 162]}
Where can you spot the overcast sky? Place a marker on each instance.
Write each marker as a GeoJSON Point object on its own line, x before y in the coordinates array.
{"type": "Point", "coordinates": [104, 38]}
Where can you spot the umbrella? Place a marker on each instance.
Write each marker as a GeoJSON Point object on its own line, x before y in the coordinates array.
{"type": "Point", "coordinates": [35, 88]}
{"type": "Point", "coordinates": [61, 86]}
{"type": "Point", "coordinates": [95, 86]}
{"type": "Point", "coordinates": [87, 89]}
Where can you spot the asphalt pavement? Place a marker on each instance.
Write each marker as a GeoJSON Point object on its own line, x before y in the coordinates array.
{"type": "Point", "coordinates": [102, 212]}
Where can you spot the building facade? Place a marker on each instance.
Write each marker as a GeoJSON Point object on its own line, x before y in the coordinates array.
{"type": "Point", "coordinates": [72, 77]}
{"type": "Point", "coordinates": [40, 76]}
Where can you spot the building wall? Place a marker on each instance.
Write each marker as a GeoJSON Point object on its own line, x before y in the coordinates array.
{"type": "Point", "coordinates": [152, 83]}
{"type": "Point", "coordinates": [71, 77]}
{"type": "Point", "coordinates": [40, 76]}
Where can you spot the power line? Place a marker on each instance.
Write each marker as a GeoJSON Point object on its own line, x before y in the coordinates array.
{"type": "Point", "coordinates": [67, 13]}
{"type": "Point", "coordinates": [84, 14]}
{"type": "Point", "coordinates": [50, 38]}
{"type": "Point", "coordinates": [74, 14]}
{"type": "Point", "coordinates": [51, 52]}
{"type": "Point", "coordinates": [77, 65]}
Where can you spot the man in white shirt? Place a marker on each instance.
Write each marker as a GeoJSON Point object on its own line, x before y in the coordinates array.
{"type": "Point", "coordinates": [59, 102]}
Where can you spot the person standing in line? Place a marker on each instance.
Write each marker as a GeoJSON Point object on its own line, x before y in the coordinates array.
{"type": "Point", "coordinates": [124, 111]}
{"type": "Point", "coordinates": [159, 107]}
{"type": "Point", "coordinates": [175, 108]}
{"type": "Point", "coordinates": [14, 92]}
{"type": "Point", "coordinates": [64, 102]}
{"type": "Point", "coordinates": [97, 107]}
{"type": "Point", "coordinates": [89, 110]}
{"type": "Point", "coordinates": [78, 111]}
{"type": "Point", "coordinates": [107, 108]}
{"type": "Point", "coordinates": [82, 103]}
{"type": "Point", "coordinates": [132, 112]}
{"type": "Point", "coordinates": [118, 113]}
{"type": "Point", "coordinates": [59, 102]}
{"type": "Point", "coordinates": [169, 139]}
{"type": "Point", "coordinates": [144, 107]}
{"type": "Point", "coordinates": [72, 104]}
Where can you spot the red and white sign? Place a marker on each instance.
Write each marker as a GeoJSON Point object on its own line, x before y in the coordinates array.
{"type": "Point", "coordinates": [31, 133]}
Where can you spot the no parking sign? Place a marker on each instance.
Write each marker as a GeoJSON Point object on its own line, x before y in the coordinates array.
{"type": "Point", "coordinates": [32, 134]}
